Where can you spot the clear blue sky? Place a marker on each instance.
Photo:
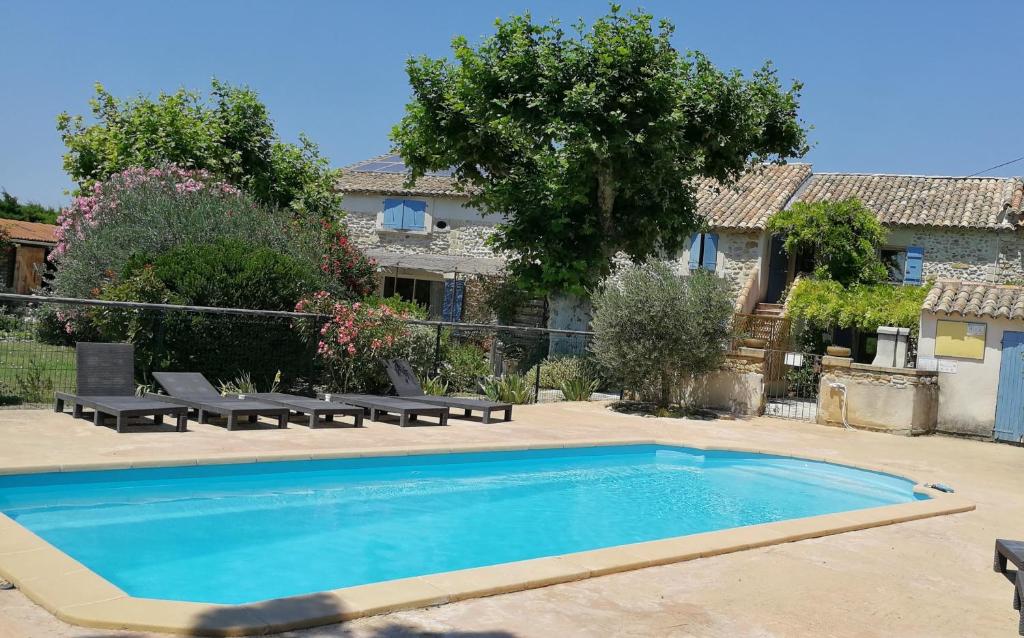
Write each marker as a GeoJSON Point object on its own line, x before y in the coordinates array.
{"type": "Point", "coordinates": [910, 86]}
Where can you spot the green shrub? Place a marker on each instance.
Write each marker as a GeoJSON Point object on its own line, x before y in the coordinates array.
{"type": "Point", "coordinates": [578, 388]}
{"type": "Point", "coordinates": [408, 308]}
{"type": "Point", "coordinates": [147, 213]}
{"type": "Point", "coordinates": [462, 365]}
{"type": "Point", "coordinates": [558, 370]}
{"type": "Point", "coordinates": [843, 238]}
{"type": "Point", "coordinates": [511, 388]}
{"type": "Point", "coordinates": [228, 273]}
{"type": "Point", "coordinates": [652, 326]}
{"type": "Point", "coordinates": [32, 384]}
{"type": "Point", "coordinates": [434, 386]}
{"type": "Point", "coordinates": [824, 304]}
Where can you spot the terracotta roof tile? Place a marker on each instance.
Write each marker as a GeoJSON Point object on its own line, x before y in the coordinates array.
{"type": "Point", "coordinates": [29, 231]}
{"type": "Point", "coordinates": [749, 202]}
{"type": "Point", "coordinates": [970, 299]}
{"type": "Point", "coordinates": [911, 200]}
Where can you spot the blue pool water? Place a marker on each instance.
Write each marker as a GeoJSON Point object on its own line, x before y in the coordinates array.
{"type": "Point", "coordinates": [242, 533]}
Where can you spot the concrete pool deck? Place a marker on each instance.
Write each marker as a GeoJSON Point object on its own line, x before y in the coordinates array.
{"type": "Point", "coordinates": [928, 577]}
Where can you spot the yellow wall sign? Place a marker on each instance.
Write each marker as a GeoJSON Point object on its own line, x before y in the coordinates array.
{"type": "Point", "coordinates": [960, 339]}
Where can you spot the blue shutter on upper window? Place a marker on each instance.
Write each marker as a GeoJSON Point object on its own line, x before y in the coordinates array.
{"type": "Point", "coordinates": [710, 259]}
{"type": "Point", "coordinates": [695, 241]}
{"type": "Point", "coordinates": [415, 214]}
{"type": "Point", "coordinates": [392, 214]}
{"type": "Point", "coordinates": [914, 267]}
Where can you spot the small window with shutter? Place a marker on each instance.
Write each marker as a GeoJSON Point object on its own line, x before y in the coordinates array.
{"type": "Point", "coordinates": [703, 251]}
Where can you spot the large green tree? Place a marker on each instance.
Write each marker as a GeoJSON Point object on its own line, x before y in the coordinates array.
{"type": "Point", "coordinates": [230, 134]}
{"type": "Point", "coordinates": [590, 143]}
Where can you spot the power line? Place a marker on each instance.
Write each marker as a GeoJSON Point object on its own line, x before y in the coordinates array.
{"type": "Point", "coordinates": [997, 166]}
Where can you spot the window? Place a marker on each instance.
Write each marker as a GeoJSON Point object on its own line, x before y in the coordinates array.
{"type": "Point", "coordinates": [961, 339]}
{"type": "Point", "coordinates": [409, 289]}
{"type": "Point", "coordinates": [404, 214]}
{"type": "Point", "coordinates": [895, 262]}
{"type": "Point", "coordinates": [903, 265]}
{"type": "Point", "coordinates": [703, 251]}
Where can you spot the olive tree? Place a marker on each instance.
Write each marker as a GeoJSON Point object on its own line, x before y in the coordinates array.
{"type": "Point", "coordinates": [654, 327]}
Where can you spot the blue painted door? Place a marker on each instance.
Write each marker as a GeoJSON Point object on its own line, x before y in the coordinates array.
{"type": "Point", "coordinates": [1010, 399]}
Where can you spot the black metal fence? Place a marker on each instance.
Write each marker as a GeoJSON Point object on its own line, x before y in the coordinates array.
{"type": "Point", "coordinates": [791, 384]}
{"type": "Point", "coordinates": [254, 350]}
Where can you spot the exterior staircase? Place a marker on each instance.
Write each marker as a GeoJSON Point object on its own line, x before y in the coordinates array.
{"type": "Point", "coordinates": [768, 310]}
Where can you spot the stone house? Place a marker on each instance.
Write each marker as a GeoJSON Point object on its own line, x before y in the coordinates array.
{"type": "Point", "coordinates": [972, 336]}
{"type": "Point", "coordinates": [429, 243]}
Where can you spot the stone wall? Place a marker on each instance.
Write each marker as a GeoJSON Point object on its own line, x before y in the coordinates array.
{"type": "Point", "coordinates": [738, 387]}
{"type": "Point", "coordinates": [971, 255]}
{"type": "Point", "coordinates": [739, 255]}
{"type": "Point", "coordinates": [895, 400]}
{"type": "Point", "coordinates": [462, 238]}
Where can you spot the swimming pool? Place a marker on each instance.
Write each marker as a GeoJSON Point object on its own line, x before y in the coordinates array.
{"type": "Point", "coordinates": [248, 532]}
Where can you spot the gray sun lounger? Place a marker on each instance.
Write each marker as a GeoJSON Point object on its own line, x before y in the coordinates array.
{"type": "Point", "coordinates": [408, 386]}
{"type": "Point", "coordinates": [315, 408]}
{"type": "Point", "coordinates": [105, 374]}
{"type": "Point", "coordinates": [191, 389]}
{"type": "Point", "coordinates": [1012, 551]}
{"type": "Point", "coordinates": [408, 411]}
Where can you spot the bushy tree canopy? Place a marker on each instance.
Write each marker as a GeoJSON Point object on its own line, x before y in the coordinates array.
{"type": "Point", "coordinates": [229, 134]}
{"type": "Point", "coordinates": [843, 237]}
{"type": "Point", "coordinates": [145, 214]}
{"type": "Point", "coordinates": [11, 208]}
{"type": "Point", "coordinates": [590, 143]}
{"type": "Point", "coordinates": [653, 326]}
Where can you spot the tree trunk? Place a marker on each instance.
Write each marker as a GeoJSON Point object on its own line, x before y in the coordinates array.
{"type": "Point", "coordinates": [666, 389]}
{"type": "Point", "coordinates": [605, 205]}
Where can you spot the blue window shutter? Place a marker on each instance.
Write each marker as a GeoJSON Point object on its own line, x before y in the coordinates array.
{"type": "Point", "coordinates": [454, 291]}
{"type": "Point", "coordinates": [414, 214]}
{"type": "Point", "coordinates": [914, 266]}
{"type": "Point", "coordinates": [392, 213]}
{"type": "Point", "coordinates": [695, 241]}
{"type": "Point", "coordinates": [710, 252]}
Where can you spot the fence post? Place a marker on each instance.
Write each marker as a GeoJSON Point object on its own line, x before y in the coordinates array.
{"type": "Point", "coordinates": [158, 345]}
{"type": "Point", "coordinates": [437, 351]}
{"type": "Point", "coordinates": [536, 383]}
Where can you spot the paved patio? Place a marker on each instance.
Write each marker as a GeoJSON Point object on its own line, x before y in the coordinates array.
{"type": "Point", "coordinates": [931, 577]}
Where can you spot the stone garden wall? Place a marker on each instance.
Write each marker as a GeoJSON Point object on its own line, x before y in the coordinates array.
{"type": "Point", "coordinates": [895, 400]}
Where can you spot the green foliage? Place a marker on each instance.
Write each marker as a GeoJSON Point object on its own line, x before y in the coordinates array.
{"type": "Point", "coordinates": [229, 134]}
{"type": "Point", "coordinates": [11, 208]}
{"type": "Point", "coordinates": [434, 386]}
{"type": "Point", "coordinates": [504, 297]}
{"type": "Point", "coordinates": [511, 388]}
{"type": "Point", "coordinates": [142, 217]}
{"type": "Point", "coordinates": [843, 236]}
{"type": "Point", "coordinates": [399, 305]}
{"type": "Point", "coordinates": [228, 273]}
{"type": "Point", "coordinates": [578, 388]}
{"type": "Point", "coordinates": [556, 371]}
{"type": "Point", "coordinates": [592, 142]}
{"type": "Point", "coordinates": [652, 326]}
{"type": "Point", "coordinates": [243, 384]}
{"type": "Point", "coordinates": [462, 364]}
{"type": "Point", "coordinates": [824, 303]}
{"type": "Point", "coordinates": [33, 384]}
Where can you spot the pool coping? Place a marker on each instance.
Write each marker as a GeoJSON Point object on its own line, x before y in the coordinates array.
{"type": "Point", "coordinates": [79, 596]}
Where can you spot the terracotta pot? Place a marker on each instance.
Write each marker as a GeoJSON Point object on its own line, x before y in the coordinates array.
{"type": "Point", "coordinates": [837, 351]}
{"type": "Point", "coordinates": [754, 342]}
